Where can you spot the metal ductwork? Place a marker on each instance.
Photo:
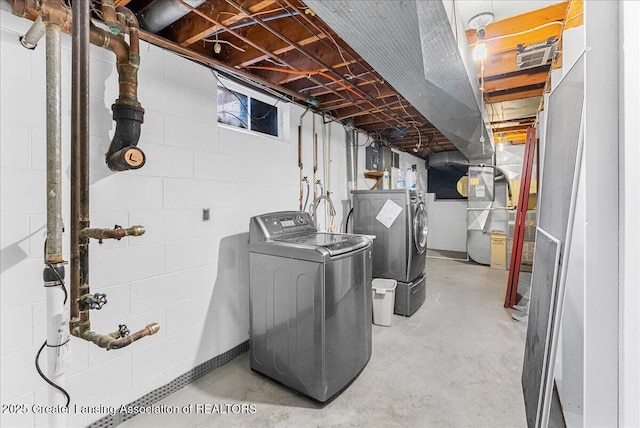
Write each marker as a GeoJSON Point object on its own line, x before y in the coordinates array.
{"type": "Point", "coordinates": [161, 13]}
{"type": "Point", "coordinates": [413, 45]}
{"type": "Point", "coordinates": [448, 160]}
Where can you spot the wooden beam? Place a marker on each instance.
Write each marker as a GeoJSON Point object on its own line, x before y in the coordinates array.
{"type": "Point", "coordinates": [516, 81]}
{"type": "Point", "coordinates": [575, 14]}
{"type": "Point", "coordinates": [501, 63]}
{"type": "Point", "coordinates": [193, 28]}
{"type": "Point", "coordinates": [517, 137]}
{"type": "Point", "coordinates": [528, 28]}
{"type": "Point", "coordinates": [344, 104]}
{"type": "Point", "coordinates": [281, 51]}
{"type": "Point", "coordinates": [356, 111]}
{"type": "Point", "coordinates": [505, 129]}
{"type": "Point", "coordinates": [513, 91]}
{"type": "Point", "coordinates": [267, 40]}
{"type": "Point", "coordinates": [154, 39]}
{"type": "Point", "coordinates": [514, 96]}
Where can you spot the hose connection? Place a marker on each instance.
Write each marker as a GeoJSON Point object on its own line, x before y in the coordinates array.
{"type": "Point", "coordinates": [116, 233]}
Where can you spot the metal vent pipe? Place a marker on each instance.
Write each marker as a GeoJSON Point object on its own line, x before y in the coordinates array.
{"type": "Point", "coordinates": [161, 13]}
{"type": "Point", "coordinates": [419, 48]}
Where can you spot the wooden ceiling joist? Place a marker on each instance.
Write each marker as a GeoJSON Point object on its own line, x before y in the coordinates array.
{"type": "Point", "coordinates": [194, 27]}
{"type": "Point", "coordinates": [295, 52]}
{"type": "Point", "coordinates": [537, 92]}
{"type": "Point", "coordinates": [527, 28]}
{"type": "Point", "coordinates": [516, 81]}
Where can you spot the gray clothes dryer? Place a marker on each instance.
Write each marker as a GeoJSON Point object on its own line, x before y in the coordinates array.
{"type": "Point", "coordinates": [399, 251]}
{"type": "Point", "coordinates": [310, 303]}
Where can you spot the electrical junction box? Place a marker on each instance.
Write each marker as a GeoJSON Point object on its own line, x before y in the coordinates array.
{"type": "Point", "coordinates": [372, 159]}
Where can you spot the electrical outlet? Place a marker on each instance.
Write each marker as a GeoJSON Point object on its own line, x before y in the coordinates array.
{"type": "Point", "coordinates": [206, 215]}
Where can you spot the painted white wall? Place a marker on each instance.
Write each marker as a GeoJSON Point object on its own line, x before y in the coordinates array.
{"type": "Point", "coordinates": [190, 276]}
{"type": "Point", "coordinates": [601, 220]}
{"type": "Point", "coordinates": [588, 376]}
{"type": "Point", "coordinates": [629, 226]}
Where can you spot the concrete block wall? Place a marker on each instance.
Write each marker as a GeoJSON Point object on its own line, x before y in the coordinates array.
{"type": "Point", "coordinates": [189, 275]}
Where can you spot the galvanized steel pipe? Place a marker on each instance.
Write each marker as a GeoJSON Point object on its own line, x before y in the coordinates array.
{"type": "Point", "coordinates": [53, 274]}
{"type": "Point", "coordinates": [34, 34]}
{"type": "Point", "coordinates": [54, 146]}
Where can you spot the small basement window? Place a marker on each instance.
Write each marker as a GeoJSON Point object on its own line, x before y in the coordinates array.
{"type": "Point", "coordinates": [242, 111]}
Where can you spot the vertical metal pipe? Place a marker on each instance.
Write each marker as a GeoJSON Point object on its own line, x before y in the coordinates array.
{"type": "Point", "coordinates": [79, 162]}
{"type": "Point", "coordinates": [54, 269]}
{"type": "Point", "coordinates": [300, 164]}
{"type": "Point", "coordinates": [352, 158]}
{"type": "Point", "coordinates": [54, 147]}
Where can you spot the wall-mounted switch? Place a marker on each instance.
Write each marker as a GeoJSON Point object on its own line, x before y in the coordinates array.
{"type": "Point", "coordinates": [206, 215]}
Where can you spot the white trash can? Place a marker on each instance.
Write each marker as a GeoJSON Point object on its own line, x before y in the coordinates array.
{"type": "Point", "coordinates": [384, 297]}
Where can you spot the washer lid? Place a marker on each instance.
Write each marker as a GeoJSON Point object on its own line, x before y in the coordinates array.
{"type": "Point", "coordinates": [316, 247]}
{"type": "Point", "coordinates": [333, 243]}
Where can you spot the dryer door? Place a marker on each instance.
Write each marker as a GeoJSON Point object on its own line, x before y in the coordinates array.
{"type": "Point", "coordinates": [420, 228]}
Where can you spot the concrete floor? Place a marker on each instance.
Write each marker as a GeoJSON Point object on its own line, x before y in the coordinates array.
{"type": "Point", "coordinates": [455, 363]}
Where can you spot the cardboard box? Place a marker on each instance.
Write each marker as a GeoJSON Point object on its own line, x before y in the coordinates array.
{"type": "Point", "coordinates": [498, 250]}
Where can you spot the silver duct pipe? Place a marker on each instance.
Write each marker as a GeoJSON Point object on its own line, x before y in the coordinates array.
{"type": "Point", "coordinates": [161, 13]}
{"type": "Point", "coordinates": [443, 160]}
{"type": "Point", "coordinates": [414, 46]}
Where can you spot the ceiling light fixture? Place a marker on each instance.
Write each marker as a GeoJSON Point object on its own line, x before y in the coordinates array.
{"type": "Point", "coordinates": [478, 23]}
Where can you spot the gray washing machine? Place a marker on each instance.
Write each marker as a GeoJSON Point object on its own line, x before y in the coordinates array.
{"type": "Point", "coordinates": [399, 251]}
{"type": "Point", "coordinates": [310, 303]}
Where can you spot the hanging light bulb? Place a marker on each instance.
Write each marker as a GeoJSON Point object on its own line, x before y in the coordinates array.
{"type": "Point", "coordinates": [479, 22]}
{"type": "Point", "coordinates": [480, 50]}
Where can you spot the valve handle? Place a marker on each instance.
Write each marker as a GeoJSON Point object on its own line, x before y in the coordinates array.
{"type": "Point", "coordinates": [124, 330]}
{"type": "Point", "coordinates": [98, 301]}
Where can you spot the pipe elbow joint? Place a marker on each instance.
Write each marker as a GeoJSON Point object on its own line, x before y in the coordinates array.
{"type": "Point", "coordinates": [123, 152]}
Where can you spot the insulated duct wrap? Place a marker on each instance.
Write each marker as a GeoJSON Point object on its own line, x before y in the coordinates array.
{"type": "Point", "coordinates": [413, 45]}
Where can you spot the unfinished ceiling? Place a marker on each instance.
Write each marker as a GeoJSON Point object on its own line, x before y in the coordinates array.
{"type": "Point", "coordinates": [285, 46]}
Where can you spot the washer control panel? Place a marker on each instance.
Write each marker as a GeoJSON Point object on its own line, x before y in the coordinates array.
{"type": "Point", "coordinates": [285, 223]}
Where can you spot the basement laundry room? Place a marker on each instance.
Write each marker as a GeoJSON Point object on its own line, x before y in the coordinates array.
{"type": "Point", "coordinates": [319, 213]}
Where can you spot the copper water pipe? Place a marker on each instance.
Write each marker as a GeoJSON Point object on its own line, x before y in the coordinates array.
{"type": "Point", "coordinates": [81, 299]}
{"type": "Point", "coordinates": [109, 16]}
{"type": "Point", "coordinates": [117, 340]}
